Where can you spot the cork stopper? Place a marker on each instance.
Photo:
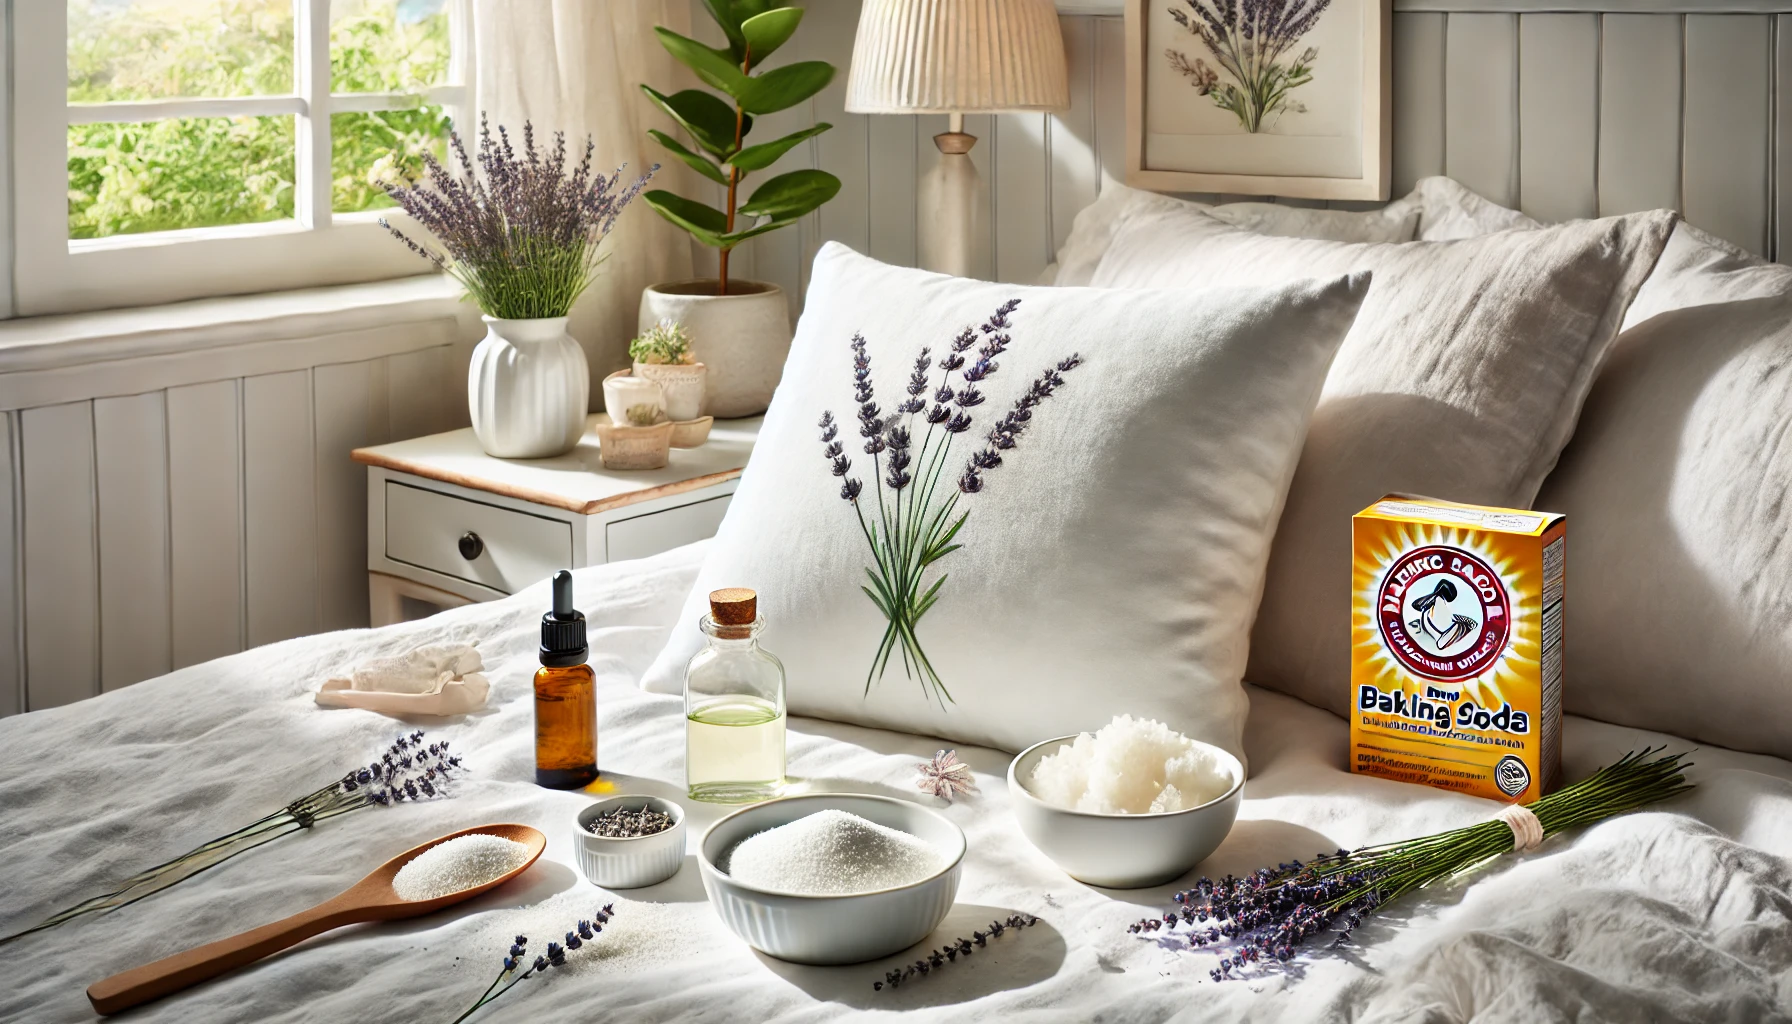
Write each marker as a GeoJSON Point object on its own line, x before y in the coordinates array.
{"type": "Point", "coordinates": [733, 606]}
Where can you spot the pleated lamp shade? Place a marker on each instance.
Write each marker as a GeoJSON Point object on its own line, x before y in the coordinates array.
{"type": "Point", "coordinates": [957, 56]}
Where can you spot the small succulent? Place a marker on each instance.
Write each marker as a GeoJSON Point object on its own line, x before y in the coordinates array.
{"type": "Point", "coordinates": [642, 415]}
{"type": "Point", "coordinates": [666, 343]}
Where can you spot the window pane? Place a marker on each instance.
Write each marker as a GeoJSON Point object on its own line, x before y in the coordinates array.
{"type": "Point", "coordinates": [157, 49]}
{"type": "Point", "coordinates": [184, 173]}
{"type": "Point", "coordinates": [388, 45]}
{"type": "Point", "coordinates": [370, 151]}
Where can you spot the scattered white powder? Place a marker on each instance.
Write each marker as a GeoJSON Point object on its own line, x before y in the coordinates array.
{"type": "Point", "coordinates": [457, 864]}
{"type": "Point", "coordinates": [1130, 766]}
{"type": "Point", "coordinates": [832, 853]}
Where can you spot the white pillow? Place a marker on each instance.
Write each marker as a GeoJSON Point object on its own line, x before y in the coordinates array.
{"type": "Point", "coordinates": [1461, 380]}
{"type": "Point", "coordinates": [1111, 564]}
{"type": "Point", "coordinates": [1093, 230]}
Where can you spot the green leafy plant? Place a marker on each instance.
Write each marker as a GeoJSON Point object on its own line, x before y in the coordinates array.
{"type": "Point", "coordinates": [667, 343]}
{"type": "Point", "coordinates": [719, 127]}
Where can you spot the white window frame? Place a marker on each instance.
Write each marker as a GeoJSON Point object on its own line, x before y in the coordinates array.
{"type": "Point", "coordinates": [54, 274]}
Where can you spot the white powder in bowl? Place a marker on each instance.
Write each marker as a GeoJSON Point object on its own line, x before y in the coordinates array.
{"type": "Point", "coordinates": [1130, 766]}
{"type": "Point", "coordinates": [457, 864]}
{"type": "Point", "coordinates": [832, 853]}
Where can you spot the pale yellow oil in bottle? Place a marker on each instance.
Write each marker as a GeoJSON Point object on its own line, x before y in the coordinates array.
{"type": "Point", "coordinates": [734, 749]}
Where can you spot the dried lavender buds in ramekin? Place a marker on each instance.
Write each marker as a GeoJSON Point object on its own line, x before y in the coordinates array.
{"type": "Point", "coordinates": [630, 823]}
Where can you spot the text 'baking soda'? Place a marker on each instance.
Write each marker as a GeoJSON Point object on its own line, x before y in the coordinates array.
{"type": "Point", "coordinates": [1456, 646]}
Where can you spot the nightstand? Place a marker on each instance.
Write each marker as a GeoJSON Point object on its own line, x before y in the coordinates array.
{"type": "Point", "coordinates": [449, 525]}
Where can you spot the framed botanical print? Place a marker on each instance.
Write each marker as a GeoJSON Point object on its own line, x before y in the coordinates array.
{"type": "Point", "coordinates": [1260, 97]}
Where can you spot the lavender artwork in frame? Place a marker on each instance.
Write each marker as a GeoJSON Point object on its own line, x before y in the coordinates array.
{"type": "Point", "coordinates": [1251, 42]}
{"type": "Point", "coordinates": [910, 517]}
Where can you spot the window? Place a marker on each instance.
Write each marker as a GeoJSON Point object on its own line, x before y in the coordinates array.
{"type": "Point", "coordinates": [211, 147]}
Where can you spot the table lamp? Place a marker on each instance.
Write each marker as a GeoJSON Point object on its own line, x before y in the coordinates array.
{"type": "Point", "coordinates": [955, 57]}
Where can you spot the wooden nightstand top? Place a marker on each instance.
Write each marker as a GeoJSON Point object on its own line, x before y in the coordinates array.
{"type": "Point", "coordinates": [576, 481]}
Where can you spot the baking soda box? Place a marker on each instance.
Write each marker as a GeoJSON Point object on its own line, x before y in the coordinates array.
{"type": "Point", "coordinates": [1456, 646]}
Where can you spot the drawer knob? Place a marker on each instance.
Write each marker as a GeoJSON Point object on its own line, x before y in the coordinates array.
{"type": "Point", "coordinates": [470, 545]}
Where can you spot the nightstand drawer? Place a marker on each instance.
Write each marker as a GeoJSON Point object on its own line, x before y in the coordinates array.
{"type": "Point", "coordinates": [509, 550]}
{"type": "Point", "coordinates": [662, 531]}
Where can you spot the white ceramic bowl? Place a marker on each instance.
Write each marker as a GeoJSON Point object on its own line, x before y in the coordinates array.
{"type": "Point", "coordinates": [630, 863]}
{"type": "Point", "coordinates": [832, 929]}
{"type": "Point", "coordinates": [1122, 851]}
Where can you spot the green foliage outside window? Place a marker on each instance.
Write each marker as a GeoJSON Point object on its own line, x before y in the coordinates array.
{"type": "Point", "coordinates": [126, 178]}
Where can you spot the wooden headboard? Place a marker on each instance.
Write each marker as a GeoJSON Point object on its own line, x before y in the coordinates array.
{"type": "Point", "coordinates": [1562, 108]}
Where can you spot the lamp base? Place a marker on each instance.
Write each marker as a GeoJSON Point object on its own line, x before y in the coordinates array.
{"type": "Point", "coordinates": [952, 230]}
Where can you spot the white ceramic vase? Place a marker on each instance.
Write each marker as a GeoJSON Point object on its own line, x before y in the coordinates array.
{"type": "Point", "coordinates": [528, 388]}
{"type": "Point", "coordinates": [742, 338]}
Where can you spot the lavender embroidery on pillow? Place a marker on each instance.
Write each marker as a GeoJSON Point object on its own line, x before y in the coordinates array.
{"type": "Point", "coordinates": [915, 520]}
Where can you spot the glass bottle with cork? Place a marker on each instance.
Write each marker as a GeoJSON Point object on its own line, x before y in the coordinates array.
{"type": "Point", "coordinates": [565, 697]}
{"type": "Point", "coordinates": [734, 706]}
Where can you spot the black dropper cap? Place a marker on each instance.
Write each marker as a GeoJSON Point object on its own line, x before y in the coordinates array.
{"type": "Point", "coordinates": [563, 629]}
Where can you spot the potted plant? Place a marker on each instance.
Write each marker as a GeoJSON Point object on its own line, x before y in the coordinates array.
{"type": "Point", "coordinates": [522, 232]}
{"type": "Point", "coordinates": [742, 328]}
{"type": "Point", "coordinates": [663, 355]}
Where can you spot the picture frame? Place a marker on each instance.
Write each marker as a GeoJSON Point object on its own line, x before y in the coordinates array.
{"type": "Point", "coordinates": [1193, 125]}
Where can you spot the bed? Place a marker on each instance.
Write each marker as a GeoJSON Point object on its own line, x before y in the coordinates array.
{"type": "Point", "coordinates": [1682, 913]}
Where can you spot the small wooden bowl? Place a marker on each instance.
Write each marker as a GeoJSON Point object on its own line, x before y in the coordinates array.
{"type": "Point", "coordinates": [626, 447]}
{"type": "Point", "coordinates": [691, 433]}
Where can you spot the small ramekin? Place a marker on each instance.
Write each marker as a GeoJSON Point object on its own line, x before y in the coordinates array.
{"type": "Point", "coordinates": [630, 863]}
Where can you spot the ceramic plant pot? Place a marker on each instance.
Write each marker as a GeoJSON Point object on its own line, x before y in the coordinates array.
{"type": "Point", "coordinates": [527, 389]}
{"type": "Point", "coordinates": [623, 391]}
{"type": "Point", "coordinates": [626, 447]}
{"type": "Point", "coordinates": [742, 337]}
{"type": "Point", "coordinates": [683, 383]}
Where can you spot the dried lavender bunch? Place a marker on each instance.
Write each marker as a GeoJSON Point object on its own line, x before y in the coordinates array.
{"type": "Point", "coordinates": [626, 823]}
{"type": "Point", "coordinates": [1265, 917]}
{"type": "Point", "coordinates": [915, 521]}
{"type": "Point", "coordinates": [1248, 39]}
{"type": "Point", "coordinates": [521, 232]}
{"type": "Point", "coordinates": [945, 776]}
{"type": "Point", "coordinates": [518, 967]}
{"type": "Point", "coordinates": [407, 771]}
{"type": "Point", "coordinates": [953, 950]}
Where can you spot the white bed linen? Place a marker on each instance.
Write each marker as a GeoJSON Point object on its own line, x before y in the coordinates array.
{"type": "Point", "coordinates": [1680, 914]}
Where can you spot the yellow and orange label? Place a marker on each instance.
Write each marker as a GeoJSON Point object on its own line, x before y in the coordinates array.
{"type": "Point", "coordinates": [1456, 646]}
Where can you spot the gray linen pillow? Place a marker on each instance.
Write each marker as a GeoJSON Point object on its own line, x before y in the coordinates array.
{"type": "Point", "coordinates": [1461, 379]}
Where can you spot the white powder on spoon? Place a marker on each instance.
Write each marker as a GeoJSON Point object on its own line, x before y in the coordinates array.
{"type": "Point", "coordinates": [460, 863]}
{"type": "Point", "coordinates": [832, 853]}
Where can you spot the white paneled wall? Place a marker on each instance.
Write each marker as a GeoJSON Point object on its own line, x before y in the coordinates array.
{"type": "Point", "coordinates": [190, 508]}
{"type": "Point", "coordinates": [1553, 107]}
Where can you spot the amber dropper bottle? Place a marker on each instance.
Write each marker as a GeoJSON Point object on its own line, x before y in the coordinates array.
{"type": "Point", "coordinates": [565, 697]}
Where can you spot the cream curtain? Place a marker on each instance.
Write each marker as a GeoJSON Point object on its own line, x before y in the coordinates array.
{"type": "Point", "coordinates": [576, 66]}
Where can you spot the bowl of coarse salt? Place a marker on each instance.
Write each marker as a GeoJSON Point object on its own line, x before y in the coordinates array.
{"type": "Point", "coordinates": [1132, 805]}
{"type": "Point", "coordinates": [832, 878]}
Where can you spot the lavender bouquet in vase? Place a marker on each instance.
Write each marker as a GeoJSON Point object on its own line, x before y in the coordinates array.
{"type": "Point", "coordinates": [911, 517]}
{"type": "Point", "coordinates": [522, 232]}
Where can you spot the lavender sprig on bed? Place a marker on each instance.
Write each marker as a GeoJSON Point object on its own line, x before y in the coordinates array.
{"type": "Point", "coordinates": [517, 966]}
{"type": "Point", "coordinates": [522, 234]}
{"type": "Point", "coordinates": [1266, 917]}
{"type": "Point", "coordinates": [407, 771]}
{"type": "Point", "coordinates": [915, 521]}
{"type": "Point", "coordinates": [953, 950]}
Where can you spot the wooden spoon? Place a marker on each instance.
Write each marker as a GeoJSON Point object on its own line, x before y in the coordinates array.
{"type": "Point", "coordinates": [370, 899]}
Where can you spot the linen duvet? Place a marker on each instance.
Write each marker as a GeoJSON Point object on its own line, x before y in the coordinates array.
{"type": "Point", "coordinates": [1681, 913]}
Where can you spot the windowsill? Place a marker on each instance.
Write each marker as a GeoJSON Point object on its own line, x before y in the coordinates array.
{"type": "Point", "coordinates": [79, 339]}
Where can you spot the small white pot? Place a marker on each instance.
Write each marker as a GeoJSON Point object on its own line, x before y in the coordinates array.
{"type": "Point", "coordinates": [742, 337]}
{"type": "Point", "coordinates": [527, 389]}
{"type": "Point", "coordinates": [622, 392]}
{"type": "Point", "coordinates": [684, 384]}
{"type": "Point", "coordinates": [630, 863]}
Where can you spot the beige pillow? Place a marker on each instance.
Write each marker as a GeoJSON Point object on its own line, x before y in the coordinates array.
{"type": "Point", "coordinates": [1461, 379]}
{"type": "Point", "coordinates": [1093, 230]}
{"type": "Point", "coordinates": [1680, 569]}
